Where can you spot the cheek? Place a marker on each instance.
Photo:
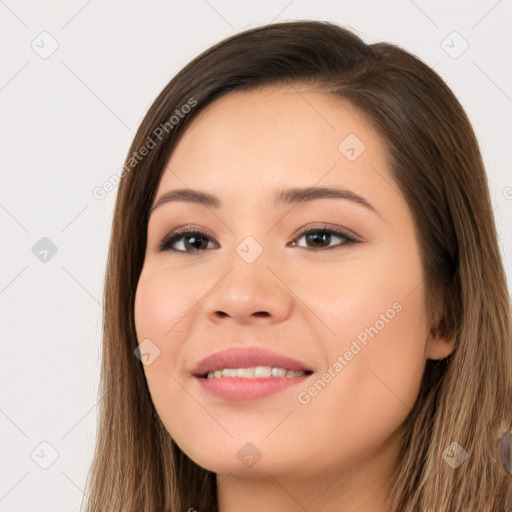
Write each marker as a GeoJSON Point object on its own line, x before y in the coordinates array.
{"type": "Point", "coordinates": [375, 309]}
{"type": "Point", "coordinates": [163, 311]}
{"type": "Point", "coordinates": [375, 359]}
{"type": "Point", "coordinates": [162, 315]}
{"type": "Point", "coordinates": [162, 301]}
{"type": "Point", "coordinates": [372, 389]}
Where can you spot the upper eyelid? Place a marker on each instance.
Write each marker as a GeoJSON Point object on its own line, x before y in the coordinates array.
{"type": "Point", "coordinates": [327, 227]}
{"type": "Point", "coordinates": [184, 230]}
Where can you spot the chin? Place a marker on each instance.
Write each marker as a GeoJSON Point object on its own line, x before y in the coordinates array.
{"type": "Point", "coordinates": [237, 458]}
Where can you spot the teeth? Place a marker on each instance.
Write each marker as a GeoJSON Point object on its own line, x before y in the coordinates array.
{"type": "Point", "coordinates": [256, 372]}
{"type": "Point", "coordinates": [278, 372]}
{"type": "Point", "coordinates": [262, 371]}
{"type": "Point", "coordinates": [247, 373]}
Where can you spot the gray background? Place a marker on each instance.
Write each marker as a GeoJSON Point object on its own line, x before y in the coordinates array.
{"type": "Point", "coordinates": [67, 120]}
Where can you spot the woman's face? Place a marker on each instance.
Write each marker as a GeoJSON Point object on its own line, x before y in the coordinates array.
{"type": "Point", "coordinates": [352, 313]}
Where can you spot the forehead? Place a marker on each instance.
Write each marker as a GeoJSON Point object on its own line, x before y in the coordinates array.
{"type": "Point", "coordinates": [273, 137]}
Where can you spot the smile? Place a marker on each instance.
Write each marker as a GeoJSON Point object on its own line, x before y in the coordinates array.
{"type": "Point", "coordinates": [248, 373]}
{"type": "Point", "coordinates": [256, 372]}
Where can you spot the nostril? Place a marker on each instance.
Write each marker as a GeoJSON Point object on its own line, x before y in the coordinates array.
{"type": "Point", "coordinates": [261, 313]}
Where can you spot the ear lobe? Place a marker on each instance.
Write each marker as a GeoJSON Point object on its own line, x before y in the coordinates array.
{"type": "Point", "coordinates": [439, 347]}
{"type": "Point", "coordinates": [438, 344]}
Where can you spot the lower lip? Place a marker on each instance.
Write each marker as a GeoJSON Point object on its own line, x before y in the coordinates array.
{"type": "Point", "coordinates": [238, 388]}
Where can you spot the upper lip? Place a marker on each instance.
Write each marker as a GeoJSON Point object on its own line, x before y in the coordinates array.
{"type": "Point", "coordinates": [247, 357]}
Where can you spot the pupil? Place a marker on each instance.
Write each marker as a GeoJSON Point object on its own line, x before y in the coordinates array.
{"type": "Point", "coordinates": [316, 236]}
{"type": "Point", "coordinates": [194, 242]}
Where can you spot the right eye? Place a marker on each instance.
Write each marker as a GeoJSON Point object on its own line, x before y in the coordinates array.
{"type": "Point", "coordinates": [193, 239]}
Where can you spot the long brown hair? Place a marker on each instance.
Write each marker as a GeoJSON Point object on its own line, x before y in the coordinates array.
{"type": "Point", "coordinates": [437, 166]}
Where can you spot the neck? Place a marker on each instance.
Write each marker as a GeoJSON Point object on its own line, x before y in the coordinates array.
{"type": "Point", "coordinates": [360, 487]}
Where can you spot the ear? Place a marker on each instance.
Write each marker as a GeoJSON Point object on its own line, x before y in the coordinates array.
{"type": "Point", "coordinates": [439, 344]}
{"type": "Point", "coordinates": [438, 347]}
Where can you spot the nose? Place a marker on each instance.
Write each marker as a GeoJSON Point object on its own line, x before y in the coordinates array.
{"type": "Point", "coordinates": [248, 293]}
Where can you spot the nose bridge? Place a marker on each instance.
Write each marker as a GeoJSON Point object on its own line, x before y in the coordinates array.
{"type": "Point", "coordinates": [250, 250]}
{"type": "Point", "coordinates": [248, 273]}
{"type": "Point", "coordinates": [250, 239]}
{"type": "Point", "coordinates": [247, 287]}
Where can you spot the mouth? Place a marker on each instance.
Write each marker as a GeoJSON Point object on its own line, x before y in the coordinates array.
{"type": "Point", "coordinates": [248, 373]}
{"type": "Point", "coordinates": [256, 372]}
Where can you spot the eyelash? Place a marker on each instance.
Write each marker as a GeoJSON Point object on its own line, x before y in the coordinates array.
{"type": "Point", "coordinates": [172, 238]}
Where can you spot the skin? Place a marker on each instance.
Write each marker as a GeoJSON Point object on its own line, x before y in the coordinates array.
{"type": "Point", "coordinates": [337, 451]}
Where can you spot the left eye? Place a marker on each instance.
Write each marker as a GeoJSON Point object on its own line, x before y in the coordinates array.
{"type": "Point", "coordinates": [324, 236]}
{"type": "Point", "coordinates": [197, 240]}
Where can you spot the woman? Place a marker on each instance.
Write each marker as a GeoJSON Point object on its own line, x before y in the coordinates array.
{"type": "Point", "coordinates": [305, 306]}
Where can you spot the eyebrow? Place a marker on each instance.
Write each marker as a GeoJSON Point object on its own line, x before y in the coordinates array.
{"type": "Point", "coordinates": [287, 196]}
